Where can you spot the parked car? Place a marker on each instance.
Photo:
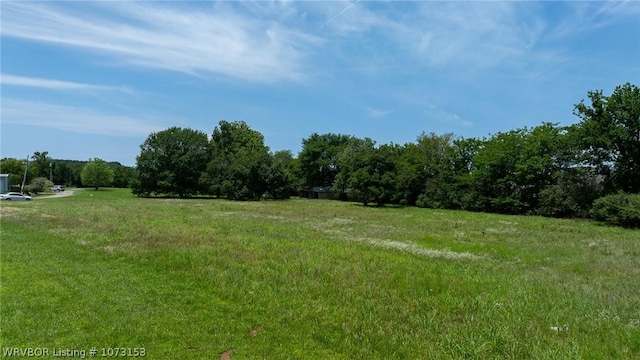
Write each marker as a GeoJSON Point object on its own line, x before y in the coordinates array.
{"type": "Point", "coordinates": [15, 196]}
{"type": "Point", "coordinates": [57, 188]}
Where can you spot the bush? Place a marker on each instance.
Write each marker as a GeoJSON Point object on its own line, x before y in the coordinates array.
{"type": "Point", "coordinates": [426, 201]}
{"type": "Point", "coordinates": [39, 185]}
{"type": "Point", "coordinates": [620, 209]}
{"type": "Point", "coordinates": [556, 201]}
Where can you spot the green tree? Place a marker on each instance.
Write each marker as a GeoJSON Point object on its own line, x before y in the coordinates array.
{"type": "Point", "coordinates": [609, 134]}
{"type": "Point", "coordinates": [466, 196]}
{"type": "Point", "coordinates": [76, 170]}
{"type": "Point", "coordinates": [63, 173]}
{"type": "Point", "coordinates": [545, 154]}
{"type": "Point", "coordinates": [436, 170]}
{"type": "Point", "coordinates": [494, 177]}
{"type": "Point", "coordinates": [513, 169]}
{"type": "Point", "coordinates": [42, 162]}
{"type": "Point", "coordinates": [239, 162]}
{"type": "Point", "coordinates": [171, 162]}
{"type": "Point", "coordinates": [282, 177]}
{"type": "Point", "coordinates": [319, 158]}
{"type": "Point", "coordinates": [348, 161]}
{"type": "Point", "coordinates": [410, 174]}
{"type": "Point", "coordinates": [278, 176]}
{"type": "Point", "coordinates": [15, 168]}
{"type": "Point", "coordinates": [97, 173]}
{"type": "Point", "coordinates": [123, 176]}
{"type": "Point", "coordinates": [367, 172]}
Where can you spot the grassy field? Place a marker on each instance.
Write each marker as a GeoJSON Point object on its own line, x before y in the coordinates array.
{"type": "Point", "coordinates": [309, 279]}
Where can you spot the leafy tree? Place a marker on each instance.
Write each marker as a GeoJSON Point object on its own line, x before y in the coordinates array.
{"type": "Point", "coordinates": [123, 176]}
{"type": "Point", "coordinates": [42, 162]}
{"type": "Point", "coordinates": [97, 173]}
{"type": "Point", "coordinates": [278, 176]}
{"type": "Point", "coordinates": [464, 194]}
{"type": "Point", "coordinates": [171, 162]}
{"type": "Point", "coordinates": [513, 169]}
{"type": "Point", "coordinates": [409, 177]}
{"type": "Point", "coordinates": [368, 172]}
{"type": "Point", "coordinates": [385, 159]}
{"type": "Point", "coordinates": [319, 158]}
{"type": "Point", "coordinates": [282, 177]}
{"type": "Point", "coordinates": [294, 169]}
{"type": "Point", "coordinates": [63, 173]}
{"type": "Point", "coordinates": [348, 161]}
{"type": "Point", "coordinates": [609, 134]}
{"type": "Point", "coordinates": [436, 170]}
{"type": "Point", "coordinates": [15, 169]}
{"type": "Point", "coordinates": [239, 162]}
{"type": "Point", "coordinates": [545, 153]}
{"type": "Point", "coordinates": [291, 167]}
{"type": "Point", "coordinates": [494, 175]}
{"type": "Point", "coordinates": [68, 172]}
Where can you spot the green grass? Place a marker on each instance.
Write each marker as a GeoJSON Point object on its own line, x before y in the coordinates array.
{"type": "Point", "coordinates": [191, 279]}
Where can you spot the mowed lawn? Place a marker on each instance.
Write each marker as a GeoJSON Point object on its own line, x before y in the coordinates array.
{"type": "Point", "coordinates": [313, 279]}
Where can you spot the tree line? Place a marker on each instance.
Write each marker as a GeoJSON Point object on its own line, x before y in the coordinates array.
{"type": "Point", "coordinates": [234, 163]}
{"type": "Point", "coordinates": [42, 167]}
{"type": "Point", "coordinates": [549, 169]}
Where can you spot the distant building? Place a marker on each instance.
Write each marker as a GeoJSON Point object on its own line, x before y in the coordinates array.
{"type": "Point", "coordinates": [4, 183]}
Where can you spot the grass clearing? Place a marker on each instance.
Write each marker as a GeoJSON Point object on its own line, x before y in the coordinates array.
{"type": "Point", "coordinates": [198, 278]}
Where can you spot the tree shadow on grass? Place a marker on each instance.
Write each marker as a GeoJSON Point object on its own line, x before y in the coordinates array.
{"type": "Point", "coordinates": [383, 207]}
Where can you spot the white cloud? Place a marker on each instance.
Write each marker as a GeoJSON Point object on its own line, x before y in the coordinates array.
{"type": "Point", "coordinates": [189, 39]}
{"type": "Point", "coordinates": [583, 17]}
{"type": "Point", "coordinates": [477, 34]}
{"type": "Point", "coordinates": [74, 119]}
{"type": "Point", "coordinates": [349, 6]}
{"type": "Point", "coordinates": [435, 34]}
{"type": "Point", "coordinates": [377, 113]}
{"type": "Point", "coordinates": [273, 41]}
{"type": "Point", "coordinates": [435, 112]}
{"type": "Point", "coordinates": [7, 79]}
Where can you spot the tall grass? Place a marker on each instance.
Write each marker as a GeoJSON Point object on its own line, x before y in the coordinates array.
{"type": "Point", "coordinates": [196, 278]}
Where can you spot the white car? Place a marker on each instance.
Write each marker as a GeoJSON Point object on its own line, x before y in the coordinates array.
{"type": "Point", "coordinates": [15, 196]}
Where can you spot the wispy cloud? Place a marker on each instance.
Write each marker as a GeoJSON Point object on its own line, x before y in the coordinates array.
{"type": "Point", "coordinates": [75, 119]}
{"type": "Point", "coordinates": [436, 113]}
{"type": "Point", "coordinates": [584, 17]}
{"type": "Point", "coordinates": [435, 34]}
{"type": "Point", "coordinates": [477, 34]}
{"type": "Point", "coordinates": [275, 41]}
{"type": "Point", "coordinates": [349, 6]}
{"type": "Point", "coordinates": [6, 79]}
{"type": "Point", "coordinates": [187, 37]}
{"type": "Point", "coordinates": [377, 113]}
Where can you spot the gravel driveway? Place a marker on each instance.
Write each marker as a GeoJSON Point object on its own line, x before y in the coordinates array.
{"type": "Point", "coordinates": [58, 194]}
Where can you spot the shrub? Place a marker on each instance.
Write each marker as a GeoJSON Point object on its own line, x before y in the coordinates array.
{"type": "Point", "coordinates": [426, 201]}
{"type": "Point", "coordinates": [39, 185]}
{"type": "Point", "coordinates": [619, 209]}
{"type": "Point", "coordinates": [556, 201]}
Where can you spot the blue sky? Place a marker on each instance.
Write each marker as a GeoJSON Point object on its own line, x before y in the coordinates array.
{"type": "Point", "coordinates": [93, 79]}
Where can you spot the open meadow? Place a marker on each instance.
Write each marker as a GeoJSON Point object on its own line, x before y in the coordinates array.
{"type": "Point", "coordinates": [312, 279]}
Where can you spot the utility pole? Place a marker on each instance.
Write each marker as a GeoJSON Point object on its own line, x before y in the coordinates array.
{"type": "Point", "coordinates": [24, 178]}
{"type": "Point", "coordinates": [51, 172]}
